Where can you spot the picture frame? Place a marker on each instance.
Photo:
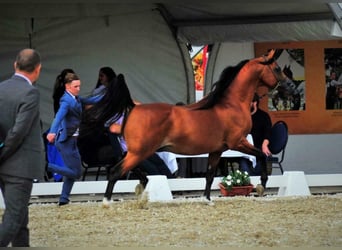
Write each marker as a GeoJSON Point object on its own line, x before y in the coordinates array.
{"type": "Point", "coordinates": [313, 117]}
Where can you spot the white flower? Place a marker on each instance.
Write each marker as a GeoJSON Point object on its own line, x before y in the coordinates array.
{"type": "Point", "coordinates": [236, 178]}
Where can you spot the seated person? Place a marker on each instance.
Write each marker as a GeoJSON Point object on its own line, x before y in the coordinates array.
{"type": "Point", "coordinates": [153, 165]}
{"type": "Point", "coordinates": [106, 75]}
{"type": "Point", "coordinates": [96, 147]}
{"type": "Point", "coordinates": [261, 133]}
{"type": "Point", "coordinates": [102, 147]}
{"type": "Point", "coordinates": [116, 103]}
{"type": "Point", "coordinates": [170, 160]}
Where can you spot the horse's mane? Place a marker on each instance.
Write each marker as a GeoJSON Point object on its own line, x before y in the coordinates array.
{"type": "Point", "coordinates": [219, 87]}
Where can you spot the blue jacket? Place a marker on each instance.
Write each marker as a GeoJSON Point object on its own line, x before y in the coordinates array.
{"type": "Point", "coordinates": [68, 116]}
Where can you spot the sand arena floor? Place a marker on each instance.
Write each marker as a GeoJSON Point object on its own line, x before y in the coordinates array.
{"type": "Point", "coordinates": [313, 221]}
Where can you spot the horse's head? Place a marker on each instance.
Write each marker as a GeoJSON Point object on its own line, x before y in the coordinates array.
{"type": "Point", "coordinates": [273, 76]}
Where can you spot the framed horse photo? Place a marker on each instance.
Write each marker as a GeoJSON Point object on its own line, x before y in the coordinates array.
{"type": "Point", "coordinates": [292, 63]}
{"type": "Point", "coordinates": [310, 65]}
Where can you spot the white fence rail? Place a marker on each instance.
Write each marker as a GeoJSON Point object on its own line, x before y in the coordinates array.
{"type": "Point", "coordinates": [182, 184]}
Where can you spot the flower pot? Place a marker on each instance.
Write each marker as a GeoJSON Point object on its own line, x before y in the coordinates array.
{"type": "Point", "coordinates": [237, 190]}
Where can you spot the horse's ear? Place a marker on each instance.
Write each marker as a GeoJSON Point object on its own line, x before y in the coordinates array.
{"type": "Point", "coordinates": [270, 54]}
{"type": "Point", "coordinates": [274, 54]}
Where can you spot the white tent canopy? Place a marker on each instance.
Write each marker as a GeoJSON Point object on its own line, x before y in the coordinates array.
{"type": "Point", "coordinates": [136, 42]}
{"type": "Point", "coordinates": [145, 41]}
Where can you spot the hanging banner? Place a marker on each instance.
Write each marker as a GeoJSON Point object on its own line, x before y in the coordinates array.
{"type": "Point", "coordinates": [199, 63]}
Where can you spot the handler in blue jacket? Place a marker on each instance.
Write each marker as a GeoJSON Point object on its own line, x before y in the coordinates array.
{"type": "Point", "coordinates": [64, 132]}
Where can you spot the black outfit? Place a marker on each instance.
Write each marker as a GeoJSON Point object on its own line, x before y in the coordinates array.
{"type": "Point", "coordinates": [98, 147]}
{"type": "Point", "coordinates": [261, 130]}
{"type": "Point", "coordinates": [261, 127]}
{"type": "Point", "coordinates": [103, 147]}
{"type": "Point", "coordinates": [154, 165]}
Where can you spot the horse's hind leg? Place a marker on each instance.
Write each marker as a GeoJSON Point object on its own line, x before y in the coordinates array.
{"type": "Point", "coordinates": [131, 162]}
{"type": "Point", "coordinates": [115, 173]}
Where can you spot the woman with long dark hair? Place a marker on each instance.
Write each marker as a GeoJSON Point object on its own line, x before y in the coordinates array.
{"type": "Point", "coordinates": [106, 75]}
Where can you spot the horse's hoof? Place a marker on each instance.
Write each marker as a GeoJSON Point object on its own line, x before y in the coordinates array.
{"type": "Point", "coordinates": [210, 203]}
{"type": "Point", "coordinates": [139, 189]}
{"type": "Point", "coordinates": [105, 203]}
{"type": "Point", "coordinates": [260, 190]}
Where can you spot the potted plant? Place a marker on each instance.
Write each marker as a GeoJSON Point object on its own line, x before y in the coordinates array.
{"type": "Point", "coordinates": [236, 183]}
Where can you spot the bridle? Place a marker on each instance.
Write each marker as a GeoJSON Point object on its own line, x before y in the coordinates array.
{"type": "Point", "coordinates": [279, 81]}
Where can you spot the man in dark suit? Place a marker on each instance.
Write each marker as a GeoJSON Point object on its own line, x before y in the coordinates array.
{"type": "Point", "coordinates": [22, 157]}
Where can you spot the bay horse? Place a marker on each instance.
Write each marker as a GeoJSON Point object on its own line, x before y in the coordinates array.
{"type": "Point", "coordinates": [218, 122]}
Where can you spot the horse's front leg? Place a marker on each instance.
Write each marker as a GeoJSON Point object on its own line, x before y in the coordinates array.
{"type": "Point", "coordinates": [211, 170]}
{"type": "Point", "coordinates": [248, 148]}
{"type": "Point", "coordinates": [139, 189]}
{"type": "Point", "coordinates": [260, 189]}
{"type": "Point", "coordinates": [264, 175]}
